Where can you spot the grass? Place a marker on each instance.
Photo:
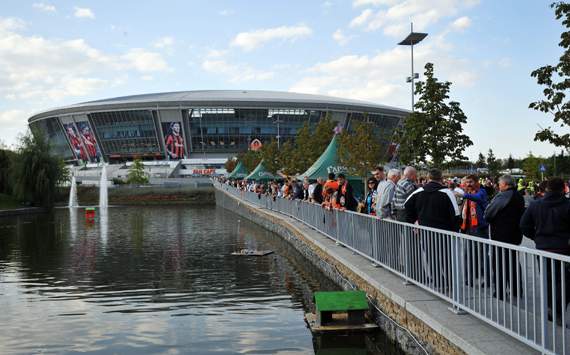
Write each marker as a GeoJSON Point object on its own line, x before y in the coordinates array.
{"type": "Point", "coordinates": [8, 202]}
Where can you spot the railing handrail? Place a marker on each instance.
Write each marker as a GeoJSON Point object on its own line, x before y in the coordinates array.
{"type": "Point", "coordinates": [452, 260]}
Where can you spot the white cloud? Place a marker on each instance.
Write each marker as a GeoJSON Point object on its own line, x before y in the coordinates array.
{"type": "Point", "coordinates": [362, 18]}
{"type": "Point", "coordinates": [44, 7]}
{"type": "Point", "coordinates": [83, 12]}
{"type": "Point", "coordinates": [163, 42]}
{"type": "Point", "coordinates": [394, 17]}
{"type": "Point", "coordinates": [48, 70]}
{"type": "Point", "coordinates": [14, 118]}
{"type": "Point", "coordinates": [381, 77]}
{"type": "Point", "coordinates": [226, 12]}
{"type": "Point", "coordinates": [357, 3]}
{"type": "Point", "coordinates": [461, 23]}
{"type": "Point", "coordinates": [327, 4]}
{"type": "Point", "coordinates": [145, 61]}
{"type": "Point", "coordinates": [235, 73]}
{"type": "Point", "coordinates": [505, 62]}
{"type": "Point", "coordinates": [340, 37]}
{"type": "Point", "coordinates": [253, 39]}
{"type": "Point", "coordinates": [216, 53]}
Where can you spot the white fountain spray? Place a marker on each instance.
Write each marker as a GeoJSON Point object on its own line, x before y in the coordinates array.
{"type": "Point", "coordinates": [73, 193]}
{"type": "Point", "coordinates": [103, 193]}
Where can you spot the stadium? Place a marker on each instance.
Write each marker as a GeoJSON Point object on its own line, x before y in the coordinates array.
{"type": "Point", "coordinates": [196, 128]}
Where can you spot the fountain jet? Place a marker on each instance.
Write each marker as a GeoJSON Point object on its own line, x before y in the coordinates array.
{"type": "Point", "coordinates": [73, 193]}
{"type": "Point", "coordinates": [103, 193]}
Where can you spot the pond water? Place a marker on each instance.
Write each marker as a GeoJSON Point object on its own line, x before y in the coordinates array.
{"type": "Point", "coordinates": [157, 280]}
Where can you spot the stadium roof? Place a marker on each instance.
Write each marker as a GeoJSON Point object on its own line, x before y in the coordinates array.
{"type": "Point", "coordinates": [222, 98]}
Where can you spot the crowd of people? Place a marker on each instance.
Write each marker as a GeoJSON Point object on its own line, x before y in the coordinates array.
{"type": "Point", "coordinates": [481, 208]}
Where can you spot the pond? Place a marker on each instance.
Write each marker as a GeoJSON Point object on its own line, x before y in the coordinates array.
{"type": "Point", "coordinates": [157, 280]}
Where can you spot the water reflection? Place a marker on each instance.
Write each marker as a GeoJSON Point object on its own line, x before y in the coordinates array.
{"type": "Point", "coordinates": [147, 280]}
{"type": "Point", "coordinates": [104, 225]}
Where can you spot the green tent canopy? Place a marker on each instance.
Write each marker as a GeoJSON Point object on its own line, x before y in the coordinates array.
{"type": "Point", "coordinates": [260, 173]}
{"type": "Point", "coordinates": [327, 163]}
{"type": "Point", "coordinates": [239, 172]}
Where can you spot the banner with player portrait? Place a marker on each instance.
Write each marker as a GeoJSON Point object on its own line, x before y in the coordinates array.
{"type": "Point", "coordinates": [75, 141]}
{"type": "Point", "coordinates": [173, 140]}
{"type": "Point", "coordinates": [89, 141]}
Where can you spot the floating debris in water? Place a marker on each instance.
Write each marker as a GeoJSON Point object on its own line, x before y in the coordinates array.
{"type": "Point", "coordinates": [252, 252]}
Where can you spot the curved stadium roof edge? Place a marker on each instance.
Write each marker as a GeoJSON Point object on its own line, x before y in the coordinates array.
{"type": "Point", "coordinates": [220, 98]}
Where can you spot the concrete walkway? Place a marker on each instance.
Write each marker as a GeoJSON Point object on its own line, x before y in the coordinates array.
{"type": "Point", "coordinates": [464, 332]}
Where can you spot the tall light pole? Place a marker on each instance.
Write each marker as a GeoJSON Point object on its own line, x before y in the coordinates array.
{"type": "Point", "coordinates": [412, 39]}
{"type": "Point", "coordinates": [278, 121]}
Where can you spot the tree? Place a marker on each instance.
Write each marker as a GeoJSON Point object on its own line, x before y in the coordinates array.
{"type": "Point", "coordinates": [530, 166]}
{"type": "Point", "coordinates": [556, 81]}
{"type": "Point", "coordinates": [36, 172]}
{"type": "Point", "coordinates": [6, 161]}
{"type": "Point", "coordinates": [481, 161]}
{"type": "Point", "coordinates": [137, 175]}
{"type": "Point", "coordinates": [510, 162]}
{"type": "Point", "coordinates": [435, 131]}
{"type": "Point", "coordinates": [304, 152]}
{"type": "Point", "coordinates": [322, 135]}
{"type": "Point", "coordinates": [492, 163]}
{"type": "Point", "coordinates": [271, 156]}
{"type": "Point", "coordinates": [230, 165]}
{"type": "Point", "coordinates": [250, 159]}
{"type": "Point", "coordinates": [359, 151]}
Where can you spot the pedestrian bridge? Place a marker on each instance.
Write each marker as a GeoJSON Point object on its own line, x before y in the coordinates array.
{"type": "Point", "coordinates": [434, 291]}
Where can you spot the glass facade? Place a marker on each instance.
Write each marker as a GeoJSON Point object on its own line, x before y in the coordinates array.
{"type": "Point", "coordinates": [223, 130]}
{"type": "Point", "coordinates": [53, 132]}
{"type": "Point", "coordinates": [383, 126]}
{"type": "Point", "coordinates": [126, 133]}
{"type": "Point", "coordinates": [178, 133]}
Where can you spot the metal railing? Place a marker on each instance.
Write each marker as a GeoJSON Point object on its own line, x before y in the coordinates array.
{"type": "Point", "coordinates": [518, 290]}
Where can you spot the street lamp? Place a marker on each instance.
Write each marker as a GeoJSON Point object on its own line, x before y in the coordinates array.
{"type": "Point", "coordinates": [278, 121]}
{"type": "Point", "coordinates": [412, 39]}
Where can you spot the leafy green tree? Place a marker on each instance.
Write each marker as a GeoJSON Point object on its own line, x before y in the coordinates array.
{"type": "Point", "coordinates": [271, 155]}
{"type": "Point", "coordinates": [286, 154]}
{"type": "Point", "coordinates": [556, 81]}
{"type": "Point", "coordinates": [531, 166]}
{"type": "Point", "coordinates": [322, 135]}
{"type": "Point", "coordinates": [304, 152]}
{"type": "Point", "coordinates": [510, 162]}
{"type": "Point", "coordinates": [36, 172]}
{"type": "Point", "coordinates": [136, 174]}
{"type": "Point", "coordinates": [6, 161]}
{"type": "Point", "coordinates": [230, 165]}
{"type": "Point", "coordinates": [435, 131]}
{"type": "Point", "coordinates": [250, 159]}
{"type": "Point", "coordinates": [359, 150]}
{"type": "Point", "coordinates": [481, 161]}
{"type": "Point", "coordinates": [493, 164]}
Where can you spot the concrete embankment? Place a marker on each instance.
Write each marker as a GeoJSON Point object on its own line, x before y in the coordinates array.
{"type": "Point", "coordinates": [419, 321]}
{"type": "Point", "coordinates": [149, 195]}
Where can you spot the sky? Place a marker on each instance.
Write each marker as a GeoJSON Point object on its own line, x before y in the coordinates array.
{"type": "Point", "coordinates": [55, 53]}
